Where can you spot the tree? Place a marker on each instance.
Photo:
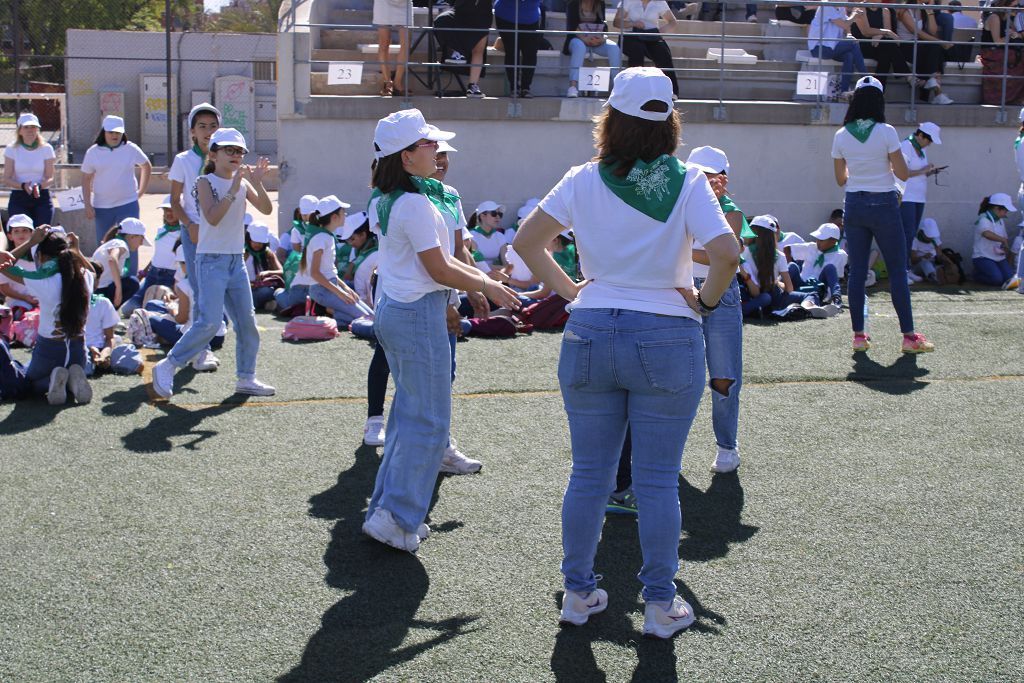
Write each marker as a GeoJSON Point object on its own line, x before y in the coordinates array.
{"type": "Point", "coordinates": [258, 16]}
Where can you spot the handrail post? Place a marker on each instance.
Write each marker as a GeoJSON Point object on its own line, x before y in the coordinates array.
{"type": "Point", "coordinates": [719, 112]}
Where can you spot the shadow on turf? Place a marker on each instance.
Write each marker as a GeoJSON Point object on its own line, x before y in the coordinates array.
{"type": "Point", "coordinates": [897, 379]}
{"type": "Point", "coordinates": [362, 634]}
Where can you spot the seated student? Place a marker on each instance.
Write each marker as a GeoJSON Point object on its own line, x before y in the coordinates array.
{"type": "Point", "coordinates": [823, 264]}
{"type": "Point", "coordinates": [765, 272]}
{"type": "Point", "coordinates": [103, 352]}
{"type": "Point", "coordinates": [289, 298]}
{"type": "Point", "coordinates": [318, 269]}
{"type": "Point", "coordinates": [587, 18]}
{"type": "Point", "coordinates": [563, 250]}
{"type": "Point", "coordinates": [16, 295]}
{"type": "Point", "coordinates": [485, 224]}
{"type": "Point", "coordinates": [265, 274]}
{"type": "Point", "coordinates": [116, 283]}
{"type": "Point", "coordinates": [926, 251]}
{"type": "Point", "coordinates": [360, 269]}
{"type": "Point", "coordinates": [169, 320]}
{"type": "Point", "coordinates": [62, 282]}
{"type": "Point", "coordinates": [796, 13]}
{"type": "Point", "coordinates": [13, 384]}
{"type": "Point", "coordinates": [991, 245]}
{"type": "Point", "coordinates": [162, 267]}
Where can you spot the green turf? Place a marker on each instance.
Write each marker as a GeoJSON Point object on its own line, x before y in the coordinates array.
{"type": "Point", "coordinates": [873, 531]}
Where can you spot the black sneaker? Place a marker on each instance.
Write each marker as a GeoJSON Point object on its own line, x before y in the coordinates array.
{"type": "Point", "coordinates": [474, 91]}
{"type": "Point", "coordinates": [526, 94]}
{"type": "Point", "coordinates": [621, 503]}
{"type": "Point", "coordinates": [837, 299]}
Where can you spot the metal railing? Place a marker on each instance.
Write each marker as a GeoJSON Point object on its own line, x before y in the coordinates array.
{"type": "Point", "coordinates": [427, 72]}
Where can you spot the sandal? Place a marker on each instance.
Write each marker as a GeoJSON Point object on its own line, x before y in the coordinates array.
{"type": "Point", "coordinates": [387, 89]}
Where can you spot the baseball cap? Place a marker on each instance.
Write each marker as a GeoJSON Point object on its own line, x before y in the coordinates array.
{"type": "Point", "coordinates": [330, 204]}
{"type": "Point", "coordinates": [398, 130]}
{"type": "Point", "coordinates": [763, 221]}
{"type": "Point", "coordinates": [113, 124]}
{"type": "Point", "coordinates": [203, 108]}
{"type": "Point", "coordinates": [869, 82]}
{"type": "Point", "coordinates": [709, 159]}
{"type": "Point", "coordinates": [932, 131]}
{"type": "Point", "coordinates": [28, 120]}
{"type": "Point", "coordinates": [352, 223]}
{"type": "Point", "coordinates": [133, 226]}
{"type": "Point", "coordinates": [247, 219]}
{"type": "Point", "coordinates": [259, 232]}
{"type": "Point", "coordinates": [20, 220]}
{"type": "Point", "coordinates": [568, 234]}
{"type": "Point", "coordinates": [635, 87]}
{"type": "Point", "coordinates": [526, 208]}
{"type": "Point", "coordinates": [228, 137]}
{"type": "Point", "coordinates": [789, 239]}
{"type": "Point", "coordinates": [827, 231]}
{"type": "Point", "coordinates": [930, 228]}
{"type": "Point", "coordinates": [490, 206]}
{"type": "Point", "coordinates": [1002, 199]}
{"type": "Point", "coordinates": [442, 145]}
{"type": "Point", "coordinates": [165, 203]}
{"type": "Point", "coordinates": [307, 203]}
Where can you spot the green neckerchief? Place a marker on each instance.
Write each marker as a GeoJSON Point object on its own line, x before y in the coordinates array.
{"type": "Point", "coordinates": [861, 128]}
{"type": "Point", "coordinates": [342, 252]}
{"type": "Point", "coordinates": [916, 144]}
{"type": "Point", "coordinates": [478, 256]}
{"type": "Point", "coordinates": [166, 230]}
{"type": "Point", "coordinates": [315, 230]}
{"type": "Point", "coordinates": [820, 261]}
{"type": "Point", "coordinates": [652, 189]}
{"type": "Point", "coordinates": [93, 298]}
{"type": "Point", "coordinates": [362, 255]}
{"type": "Point", "coordinates": [290, 267]}
{"type": "Point", "coordinates": [27, 256]}
{"type": "Point", "coordinates": [433, 190]}
{"type": "Point", "coordinates": [480, 231]}
{"type": "Point", "coordinates": [34, 145]}
{"type": "Point", "coordinates": [566, 260]}
{"type": "Point", "coordinates": [48, 269]}
{"type": "Point", "coordinates": [991, 216]}
{"type": "Point", "coordinates": [728, 206]}
{"type": "Point", "coordinates": [201, 155]}
{"type": "Point", "coordinates": [1016, 143]}
{"type": "Point", "coordinates": [259, 258]}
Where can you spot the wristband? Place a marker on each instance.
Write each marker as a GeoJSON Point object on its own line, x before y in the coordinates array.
{"type": "Point", "coordinates": [703, 308]}
{"type": "Point", "coordinates": [483, 282]}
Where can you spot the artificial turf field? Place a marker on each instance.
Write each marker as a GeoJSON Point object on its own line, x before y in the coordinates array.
{"type": "Point", "coordinates": [873, 531]}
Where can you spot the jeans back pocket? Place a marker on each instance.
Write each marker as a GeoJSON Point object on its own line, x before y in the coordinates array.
{"type": "Point", "coordinates": [574, 362]}
{"type": "Point", "coordinates": [668, 364]}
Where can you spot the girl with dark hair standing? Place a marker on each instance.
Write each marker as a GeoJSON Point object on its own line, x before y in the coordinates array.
{"type": "Point", "coordinates": [62, 284]}
{"type": "Point", "coordinates": [867, 160]}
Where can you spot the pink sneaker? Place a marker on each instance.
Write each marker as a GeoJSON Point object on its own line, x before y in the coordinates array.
{"type": "Point", "coordinates": [861, 342]}
{"type": "Point", "coordinates": [916, 343]}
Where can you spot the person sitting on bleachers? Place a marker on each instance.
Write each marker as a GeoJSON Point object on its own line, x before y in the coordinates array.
{"type": "Point", "coordinates": [826, 38]}
{"type": "Point", "coordinates": [643, 20]}
{"type": "Point", "coordinates": [473, 19]}
{"type": "Point", "coordinates": [878, 25]}
{"type": "Point", "coordinates": [797, 14]}
{"type": "Point", "coordinates": [584, 16]}
{"type": "Point", "coordinates": [712, 11]}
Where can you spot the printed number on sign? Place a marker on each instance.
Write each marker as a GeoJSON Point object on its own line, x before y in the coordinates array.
{"type": "Point", "coordinates": [812, 83]}
{"type": "Point", "coordinates": [344, 73]}
{"type": "Point", "coordinates": [70, 200]}
{"type": "Point", "coordinates": [596, 78]}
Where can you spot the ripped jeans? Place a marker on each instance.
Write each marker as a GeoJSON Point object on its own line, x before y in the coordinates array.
{"type": "Point", "coordinates": [723, 348]}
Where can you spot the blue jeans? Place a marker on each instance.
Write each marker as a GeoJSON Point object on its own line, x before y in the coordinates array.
{"type": "Point", "coordinates": [415, 340]}
{"type": "Point", "coordinates": [828, 279]}
{"type": "Point", "coordinates": [847, 52]}
{"type": "Point", "coordinates": [129, 288]}
{"type": "Point", "coordinates": [261, 296]}
{"type": "Point", "coordinates": [48, 354]}
{"type": "Point", "coordinates": [39, 210]}
{"type": "Point", "coordinates": [619, 368]}
{"type": "Point", "coordinates": [344, 313]}
{"type": "Point", "coordinates": [154, 276]}
{"type": "Point", "coordinates": [293, 296]}
{"type": "Point", "coordinates": [578, 50]}
{"type": "Point", "coordinates": [989, 272]}
{"type": "Point", "coordinates": [226, 290]}
{"type": "Point", "coordinates": [107, 218]}
{"type": "Point", "coordinates": [13, 384]}
{"type": "Point", "coordinates": [945, 23]}
{"type": "Point", "coordinates": [723, 344]}
{"type": "Point", "coordinates": [753, 304]}
{"type": "Point", "coordinates": [911, 214]}
{"type": "Point", "coordinates": [876, 215]}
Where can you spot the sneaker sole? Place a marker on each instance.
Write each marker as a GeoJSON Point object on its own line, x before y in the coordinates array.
{"type": "Point", "coordinates": [57, 393]}
{"type": "Point", "coordinates": [375, 443]}
{"type": "Point", "coordinates": [665, 632]}
{"type": "Point", "coordinates": [255, 392]}
{"type": "Point", "coordinates": [917, 350]}
{"type": "Point", "coordinates": [580, 619]}
{"type": "Point", "coordinates": [446, 469]}
{"type": "Point", "coordinates": [372, 533]}
{"type": "Point", "coordinates": [721, 470]}
{"type": "Point", "coordinates": [620, 510]}
{"type": "Point", "coordinates": [78, 384]}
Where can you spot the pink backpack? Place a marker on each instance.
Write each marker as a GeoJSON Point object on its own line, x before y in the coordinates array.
{"type": "Point", "coordinates": [25, 330]}
{"type": "Point", "coordinates": [310, 327]}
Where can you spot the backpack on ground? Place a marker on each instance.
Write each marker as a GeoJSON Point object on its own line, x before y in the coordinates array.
{"type": "Point", "coordinates": [310, 327]}
{"type": "Point", "coordinates": [25, 330]}
{"type": "Point", "coordinates": [954, 275]}
{"type": "Point", "coordinates": [546, 314]}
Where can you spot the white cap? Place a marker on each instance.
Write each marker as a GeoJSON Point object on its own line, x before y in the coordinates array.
{"type": "Point", "coordinates": [113, 124]}
{"type": "Point", "coordinates": [247, 219]}
{"type": "Point", "coordinates": [789, 239]}
{"type": "Point", "coordinates": [133, 226]}
{"type": "Point", "coordinates": [201, 108]}
{"type": "Point", "coordinates": [490, 206]}
{"type": "Point", "coordinates": [869, 82]}
{"type": "Point", "coordinates": [20, 220]}
{"type": "Point", "coordinates": [635, 87]}
{"type": "Point", "coordinates": [827, 231]}
{"type": "Point", "coordinates": [307, 203]}
{"type": "Point", "coordinates": [228, 137]}
{"type": "Point", "coordinates": [567, 234]}
{"type": "Point", "coordinates": [165, 203]}
{"type": "Point", "coordinates": [709, 159]}
{"type": "Point", "coordinates": [330, 204]}
{"type": "Point", "coordinates": [932, 131]}
{"type": "Point", "coordinates": [764, 221]}
{"type": "Point", "coordinates": [442, 145]}
{"type": "Point", "coordinates": [28, 120]}
{"type": "Point", "coordinates": [400, 129]}
{"type": "Point", "coordinates": [179, 254]}
{"type": "Point", "coordinates": [526, 208]}
{"type": "Point", "coordinates": [1002, 199]}
{"type": "Point", "coordinates": [259, 232]}
{"type": "Point", "coordinates": [352, 223]}
{"type": "Point", "coordinates": [930, 228]}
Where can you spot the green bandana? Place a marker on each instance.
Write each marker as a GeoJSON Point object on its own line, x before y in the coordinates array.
{"type": "Point", "coordinates": [259, 258]}
{"type": "Point", "coordinates": [342, 252]}
{"type": "Point", "coordinates": [48, 269]}
{"type": "Point", "coordinates": [820, 261]}
{"type": "Point", "coordinates": [167, 230]}
{"type": "Point", "coordinates": [728, 206]}
{"type": "Point", "coordinates": [566, 260]}
{"type": "Point", "coordinates": [202, 157]}
{"type": "Point", "coordinates": [290, 267]}
{"type": "Point", "coordinates": [861, 128]}
{"type": "Point", "coordinates": [917, 145]}
{"type": "Point", "coordinates": [34, 145]}
{"type": "Point", "coordinates": [478, 256]}
{"type": "Point", "coordinates": [362, 256]}
{"type": "Point", "coordinates": [1016, 143]}
{"type": "Point", "coordinates": [652, 189]}
{"type": "Point", "coordinates": [429, 188]}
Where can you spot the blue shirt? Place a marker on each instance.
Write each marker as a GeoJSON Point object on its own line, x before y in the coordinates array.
{"type": "Point", "coordinates": [529, 10]}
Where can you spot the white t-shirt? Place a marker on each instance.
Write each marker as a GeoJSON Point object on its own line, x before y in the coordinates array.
{"type": "Point", "coordinates": [868, 162]}
{"type": "Point", "coordinates": [489, 245]}
{"type": "Point", "coordinates": [16, 286]}
{"type": "Point", "coordinates": [361, 279]}
{"type": "Point", "coordinates": [185, 290]}
{"type": "Point", "coordinates": [114, 183]}
{"type": "Point", "coordinates": [640, 273]}
{"type": "Point", "coordinates": [520, 271]}
{"type": "Point", "coordinates": [636, 12]}
{"type": "Point", "coordinates": [414, 226]}
{"type": "Point", "coordinates": [186, 167]}
{"type": "Point", "coordinates": [924, 248]}
{"type": "Point", "coordinates": [780, 267]}
{"type": "Point", "coordinates": [808, 253]}
{"type": "Point", "coordinates": [984, 247]}
{"type": "Point", "coordinates": [916, 188]}
{"type": "Point", "coordinates": [250, 265]}
{"type": "Point", "coordinates": [102, 316]}
{"type": "Point", "coordinates": [456, 224]}
{"type": "Point", "coordinates": [961, 20]}
{"type": "Point", "coordinates": [822, 27]}
{"type": "Point", "coordinates": [324, 243]}
{"type": "Point", "coordinates": [102, 257]}
{"type": "Point", "coordinates": [48, 292]}
{"type": "Point", "coordinates": [163, 249]}
{"type": "Point", "coordinates": [228, 236]}
{"type": "Point", "coordinates": [29, 164]}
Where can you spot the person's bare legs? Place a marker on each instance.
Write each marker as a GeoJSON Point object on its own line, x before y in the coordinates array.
{"type": "Point", "coordinates": [477, 60]}
{"type": "Point", "coordinates": [383, 48]}
{"type": "Point", "coordinates": [403, 56]}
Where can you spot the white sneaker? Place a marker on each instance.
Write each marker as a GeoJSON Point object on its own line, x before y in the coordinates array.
{"type": "Point", "coordinates": [57, 394]}
{"type": "Point", "coordinates": [727, 460]}
{"type": "Point", "coordinates": [818, 312]}
{"type": "Point", "coordinates": [205, 361]}
{"type": "Point", "coordinates": [573, 91]}
{"type": "Point", "coordinates": [831, 310]}
{"type": "Point", "coordinates": [872, 279]}
{"type": "Point", "coordinates": [455, 462]}
{"type": "Point", "coordinates": [665, 622]}
{"type": "Point", "coordinates": [254, 387]}
{"type": "Point", "coordinates": [79, 385]}
{"type": "Point", "coordinates": [1013, 283]}
{"type": "Point", "coordinates": [373, 431]}
{"type": "Point", "coordinates": [577, 607]}
{"type": "Point", "coordinates": [423, 532]}
{"type": "Point", "coordinates": [931, 84]}
{"type": "Point", "coordinates": [752, 18]}
{"type": "Point", "coordinates": [163, 379]}
{"type": "Point", "coordinates": [913, 278]}
{"type": "Point", "coordinates": [942, 98]}
{"type": "Point", "coordinates": [382, 527]}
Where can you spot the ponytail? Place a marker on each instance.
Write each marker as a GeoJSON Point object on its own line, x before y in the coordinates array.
{"type": "Point", "coordinates": [985, 206]}
{"type": "Point", "coordinates": [209, 166]}
{"type": "Point", "coordinates": [111, 233]}
{"type": "Point", "coordinates": [764, 258]}
{"type": "Point", "coordinates": [471, 221]}
{"type": "Point", "coordinates": [74, 295]}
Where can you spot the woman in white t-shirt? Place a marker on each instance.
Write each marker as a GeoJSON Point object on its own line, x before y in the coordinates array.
{"type": "Point", "coordinates": [62, 284]}
{"type": "Point", "coordinates": [416, 270]}
{"type": "Point", "coordinates": [867, 161]}
{"type": "Point", "coordinates": [633, 350]}
{"type": "Point", "coordinates": [221, 195]}
{"type": "Point", "coordinates": [643, 20]}
{"type": "Point", "coordinates": [109, 187]}
{"type": "Point", "coordinates": [919, 169]}
{"type": "Point", "coordinates": [991, 244]}
{"type": "Point", "coordinates": [29, 164]}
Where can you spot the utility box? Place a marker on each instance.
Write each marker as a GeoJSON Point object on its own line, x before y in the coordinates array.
{"type": "Point", "coordinates": [153, 93]}
{"type": "Point", "coordinates": [112, 102]}
{"type": "Point", "coordinates": [235, 97]}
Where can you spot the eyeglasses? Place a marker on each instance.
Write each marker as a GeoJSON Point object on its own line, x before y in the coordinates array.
{"type": "Point", "coordinates": [428, 143]}
{"type": "Point", "coordinates": [496, 214]}
{"type": "Point", "coordinates": [232, 151]}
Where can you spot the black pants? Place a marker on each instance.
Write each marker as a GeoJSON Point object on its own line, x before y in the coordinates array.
{"type": "Point", "coordinates": [527, 46]}
{"type": "Point", "coordinates": [889, 57]}
{"type": "Point", "coordinates": [636, 49]}
{"type": "Point", "coordinates": [40, 209]}
{"type": "Point", "coordinates": [795, 14]}
{"type": "Point", "coordinates": [377, 382]}
{"type": "Point", "coordinates": [931, 58]}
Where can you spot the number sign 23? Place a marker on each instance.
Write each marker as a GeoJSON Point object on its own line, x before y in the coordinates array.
{"type": "Point", "coordinates": [344, 73]}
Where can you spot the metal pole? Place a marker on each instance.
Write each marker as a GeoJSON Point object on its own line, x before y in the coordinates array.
{"type": "Point", "coordinates": [167, 55]}
{"type": "Point", "coordinates": [719, 113]}
{"type": "Point", "coordinates": [1006, 60]}
{"type": "Point", "coordinates": [17, 49]}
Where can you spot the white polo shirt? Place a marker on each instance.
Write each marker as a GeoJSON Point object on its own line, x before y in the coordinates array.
{"type": "Point", "coordinates": [868, 162]}
{"type": "Point", "coordinates": [808, 252]}
{"type": "Point", "coordinates": [29, 164]}
{"type": "Point", "coordinates": [186, 167]}
{"type": "Point", "coordinates": [102, 316]}
{"type": "Point", "coordinates": [102, 257]}
{"type": "Point", "coordinates": [984, 247]}
{"type": "Point", "coordinates": [916, 188]}
{"type": "Point", "coordinates": [163, 250]}
{"type": "Point", "coordinates": [926, 249]}
{"type": "Point", "coordinates": [114, 182]}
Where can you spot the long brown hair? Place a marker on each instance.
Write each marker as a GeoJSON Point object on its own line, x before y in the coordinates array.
{"type": "Point", "coordinates": [321, 222]}
{"type": "Point", "coordinates": [622, 139]}
{"type": "Point", "coordinates": [74, 295]}
{"type": "Point", "coordinates": [764, 257]}
{"type": "Point", "coordinates": [389, 174]}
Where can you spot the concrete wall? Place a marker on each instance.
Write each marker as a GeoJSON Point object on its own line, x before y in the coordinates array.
{"type": "Point", "coordinates": [91, 70]}
{"type": "Point", "coordinates": [785, 170]}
